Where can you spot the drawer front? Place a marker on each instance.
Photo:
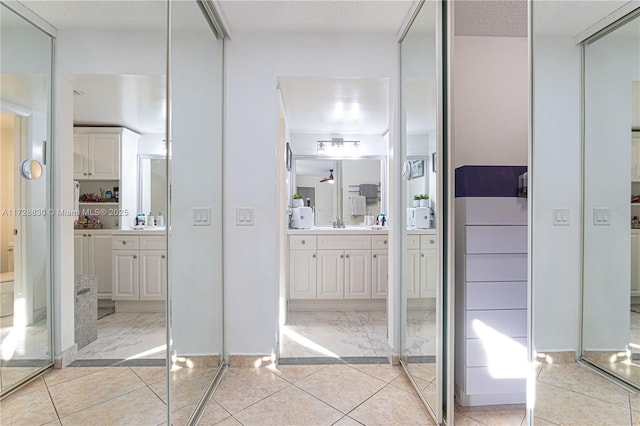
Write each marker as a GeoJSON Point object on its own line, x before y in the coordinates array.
{"type": "Point", "coordinates": [413, 242]}
{"type": "Point", "coordinates": [302, 242]}
{"type": "Point", "coordinates": [496, 267]}
{"type": "Point", "coordinates": [493, 210]}
{"type": "Point", "coordinates": [380, 242]}
{"type": "Point", "coordinates": [496, 239]}
{"type": "Point", "coordinates": [508, 323]}
{"type": "Point", "coordinates": [124, 242]}
{"type": "Point", "coordinates": [479, 354]}
{"type": "Point", "coordinates": [153, 243]}
{"type": "Point", "coordinates": [428, 242]}
{"type": "Point", "coordinates": [335, 242]}
{"type": "Point", "coordinates": [496, 295]}
{"type": "Point", "coordinates": [480, 380]}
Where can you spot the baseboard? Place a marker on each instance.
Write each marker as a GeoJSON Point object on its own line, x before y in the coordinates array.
{"type": "Point", "coordinates": [338, 305]}
{"type": "Point", "coordinates": [556, 357]}
{"type": "Point", "coordinates": [134, 306]}
{"type": "Point", "coordinates": [489, 399]}
{"type": "Point", "coordinates": [67, 357]}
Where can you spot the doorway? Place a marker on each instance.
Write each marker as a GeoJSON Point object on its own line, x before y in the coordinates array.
{"type": "Point", "coordinates": [336, 259]}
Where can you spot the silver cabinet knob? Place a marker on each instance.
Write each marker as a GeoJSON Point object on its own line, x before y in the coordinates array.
{"type": "Point", "coordinates": [375, 255]}
{"type": "Point", "coordinates": [303, 241]}
{"type": "Point", "coordinates": [432, 241]}
{"type": "Point", "coordinates": [163, 256]}
{"type": "Point", "coordinates": [135, 257]}
{"type": "Point", "coordinates": [385, 241]}
{"type": "Point", "coordinates": [84, 235]}
{"type": "Point", "coordinates": [313, 256]}
{"type": "Point", "coordinates": [124, 243]}
{"type": "Point", "coordinates": [347, 256]}
{"type": "Point", "coordinates": [422, 254]}
{"type": "Point", "coordinates": [341, 256]}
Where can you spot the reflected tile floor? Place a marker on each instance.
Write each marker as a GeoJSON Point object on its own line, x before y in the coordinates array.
{"type": "Point", "coordinates": [123, 335]}
{"type": "Point", "coordinates": [352, 333]}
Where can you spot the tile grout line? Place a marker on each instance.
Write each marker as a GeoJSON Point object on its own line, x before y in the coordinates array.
{"type": "Point", "coordinates": [583, 394]}
{"type": "Point", "coordinates": [52, 402]}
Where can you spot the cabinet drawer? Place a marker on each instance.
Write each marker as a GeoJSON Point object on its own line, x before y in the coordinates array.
{"type": "Point", "coordinates": [481, 354]}
{"type": "Point", "coordinates": [484, 324]}
{"type": "Point", "coordinates": [380, 242]}
{"type": "Point", "coordinates": [480, 380]}
{"type": "Point", "coordinates": [302, 242]}
{"type": "Point", "coordinates": [428, 241]}
{"type": "Point", "coordinates": [496, 295]}
{"type": "Point", "coordinates": [124, 242]}
{"type": "Point", "coordinates": [496, 267]}
{"type": "Point", "coordinates": [413, 242]}
{"type": "Point", "coordinates": [153, 243]}
{"type": "Point", "coordinates": [496, 239]}
{"type": "Point", "coordinates": [334, 242]}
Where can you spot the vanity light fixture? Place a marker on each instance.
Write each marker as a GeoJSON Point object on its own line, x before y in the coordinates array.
{"type": "Point", "coordinates": [328, 179]}
{"type": "Point", "coordinates": [338, 146]}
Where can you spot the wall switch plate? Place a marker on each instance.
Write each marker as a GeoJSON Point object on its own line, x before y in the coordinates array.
{"type": "Point", "coordinates": [560, 217]}
{"type": "Point", "coordinates": [602, 217]}
{"type": "Point", "coordinates": [244, 217]}
{"type": "Point", "coordinates": [202, 216]}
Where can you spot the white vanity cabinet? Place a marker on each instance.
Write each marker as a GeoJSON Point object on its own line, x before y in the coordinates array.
{"type": "Point", "coordinates": [96, 156]}
{"type": "Point", "coordinates": [337, 267]}
{"type": "Point", "coordinates": [302, 267]}
{"type": "Point", "coordinates": [422, 266]}
{"type": "Point", "coordinates": [139, 267]}
{"type": "Point", "coordinates": [635, 157]}
{"type": "Point", "coordinates": [92, 256]}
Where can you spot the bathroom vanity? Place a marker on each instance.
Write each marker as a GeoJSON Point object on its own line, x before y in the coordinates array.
{"type": "Point", "coordinates": [349, 266]}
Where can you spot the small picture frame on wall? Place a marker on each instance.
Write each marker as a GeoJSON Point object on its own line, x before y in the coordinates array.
{"type": "Point", "coordinates": [417, 168]}
{"type": "Point", "coordinates": [433, 162]}
{"type": "Point", "coordinates": [289, 155]}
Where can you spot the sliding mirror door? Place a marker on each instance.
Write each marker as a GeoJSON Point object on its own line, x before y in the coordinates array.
{"type": "Point", "coordinates": [421, 342]}
{"type": "Point", "coordinates": [195, 221]}
{"type": "Point", "coordinates": [25, 200]}
{"type": "Point", "coordinates": [611, 277]}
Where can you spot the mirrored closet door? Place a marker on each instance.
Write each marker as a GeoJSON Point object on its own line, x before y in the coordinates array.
{"type": "Point", "coordinates": [26, 345]}
{"type": "Point", "coordinates": [422, 284]}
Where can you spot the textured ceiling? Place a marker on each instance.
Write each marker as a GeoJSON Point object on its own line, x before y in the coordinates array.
{"type": "Point", "coordinates": [491, 18]}
{"type": "Point", "coordinates": [373, 16]}
{"type": "Point", "coordinates": [570, 18]}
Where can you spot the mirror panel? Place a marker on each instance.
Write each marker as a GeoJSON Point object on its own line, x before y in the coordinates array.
{"type": "Point", "coordinates": [421, 340]}
{"type": "Point", "coordinates": [152, 185]}
{"type": "Point", "coordinates": [335, 200]}
{"type": "Point", "coordinates": [25, 224]}
{"type": "Point", "coordinates": [611, 283]}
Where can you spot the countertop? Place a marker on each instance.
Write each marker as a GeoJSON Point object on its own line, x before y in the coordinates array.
{"type": "Point", "coordinates": [355, 231]}
{"type": "Point", "coordinates": [156, 231]}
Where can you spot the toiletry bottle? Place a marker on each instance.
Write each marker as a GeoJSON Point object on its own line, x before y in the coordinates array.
{"type": "Point", "coordinates": [160, 219]}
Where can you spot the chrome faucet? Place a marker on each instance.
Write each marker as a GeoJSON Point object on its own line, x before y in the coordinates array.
{"type": "Point", "coordinates": [338, 223]}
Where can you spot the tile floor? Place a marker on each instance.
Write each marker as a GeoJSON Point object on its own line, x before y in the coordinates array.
{"type": "Point", "coordinates": [354, 333]}
{"type": "Point", "coordinates": [567, 394]}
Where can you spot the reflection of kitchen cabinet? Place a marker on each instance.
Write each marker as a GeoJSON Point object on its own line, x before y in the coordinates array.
{"type": "Point", "coordinates": [635, 157]}
{"type": "Point", "coordinates": [92, 256]}
{"type": "Point", "coordinates": [96, 156]}
{"type": "Point", "coordinates": [422, 266]}
{"type": "Point", "coordinates": [139, 267]}
{"type": "Point", "coordinates": [635, 262]}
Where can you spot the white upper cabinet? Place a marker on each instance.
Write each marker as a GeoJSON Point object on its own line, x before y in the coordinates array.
{"type": "Point", "coordinates": [96, 156]}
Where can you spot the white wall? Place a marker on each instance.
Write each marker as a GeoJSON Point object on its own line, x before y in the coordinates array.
{"type": "Point", "coordinates": [490, 101]}
{"type": "Point", "coordinates": [152, 143]}
{"type": "Point", "coordinates": [7, 171]}
{"type": "Point", "coordinates": [253, 63]}
{"type": "Point", "coordinates": [556, 184]}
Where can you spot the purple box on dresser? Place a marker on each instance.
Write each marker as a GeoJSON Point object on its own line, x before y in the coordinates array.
{"type": "Point", "coordinates": [488, 181]}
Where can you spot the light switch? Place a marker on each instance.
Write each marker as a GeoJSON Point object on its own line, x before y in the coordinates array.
{"type": "Point", "coordinates": [202, 216]}
{"type": "Point", "coordinates": [602, 217]}
{"type": "Point", "coordinates": [244, 217]}
{"type": "Point", "coordinates": [560, 217]}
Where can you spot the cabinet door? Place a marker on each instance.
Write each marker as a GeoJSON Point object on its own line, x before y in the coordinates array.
{"type": "Point", "coordinates": [357, 274]}
{"type": "Point", "coordinates": [413, 274]}
{"type": "Point", "coordinates": [80, 156]}
{"type": "Point", "coordinates": [153, 275]}
{"type": "Point", "coordinates": [330, 274]}
{"type": "Point", "coordinates": [635, 264]}
{"type": "Point", "coordinates": [125, 274]}
{"type": "Point", "coordinates": [302, 274]}
{"type": "Point", "coordinates": [80, 254]}
{"type": "Point", "coordinates": [102, 264]}
{"type": "Point", "coordinates": [635, 159]}
{"type": "Point", "coordinates": [428, 273]}
{"type": "Point", "coordinates": [379, 274]}
{"type": "Point", "coordinates": [104, 155]}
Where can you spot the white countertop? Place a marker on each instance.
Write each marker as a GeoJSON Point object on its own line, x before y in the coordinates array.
{"type": "Point", "coordinates": [155, 231]}
{"type": "Point", "coordinates": [355, 230]}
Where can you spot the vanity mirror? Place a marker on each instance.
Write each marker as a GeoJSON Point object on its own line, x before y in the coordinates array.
{"type": "Point", "coordinates": [352, 177]}
{"type": "Point", "coordinates": [152, 184]}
